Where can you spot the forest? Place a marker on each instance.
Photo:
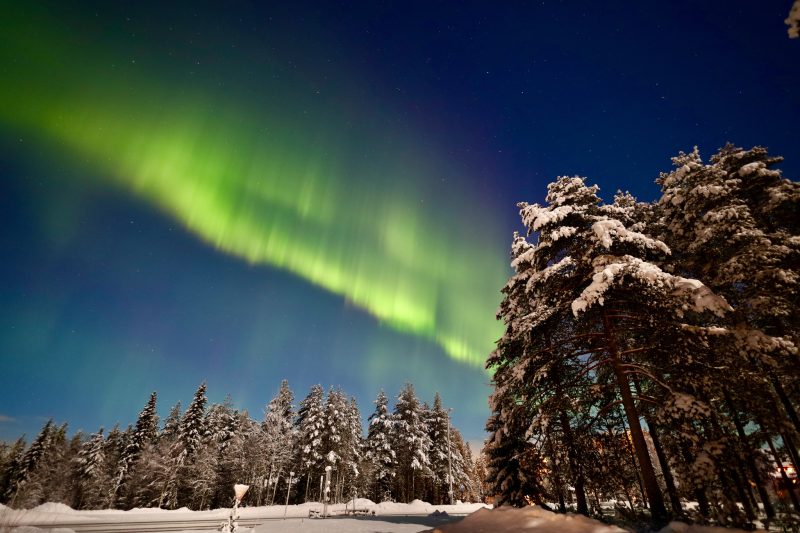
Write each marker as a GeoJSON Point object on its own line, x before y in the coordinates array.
{"type": "Point", "coordinates": [196, 456]}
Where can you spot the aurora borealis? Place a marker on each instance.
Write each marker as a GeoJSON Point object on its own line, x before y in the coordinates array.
{"type": "Point", "coordinates": [273, 192]}
{"type": "Point", "coordinates": [320, 193]}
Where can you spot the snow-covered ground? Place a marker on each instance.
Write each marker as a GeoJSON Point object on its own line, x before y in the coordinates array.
{"type": "Point", "coordinates": [386, 516]}
{"type": "Point", "coordinates": [412, 517]}
{"type": "Point", "coordinates": [537, 520]}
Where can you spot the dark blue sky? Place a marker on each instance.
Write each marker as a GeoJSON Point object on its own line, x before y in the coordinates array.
{"type": "Point", "coordinates": [105, 296]}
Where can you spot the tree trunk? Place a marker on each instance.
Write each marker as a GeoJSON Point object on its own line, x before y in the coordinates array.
{"type": "Point", "coordinates": [632, 456]}
{"type": "Point", "coordinates": [790, 447]}
{"type": "Point", "coordinates": [574, 465]}
{"type": "Point", "coordinates": [750, 459]}
{"type": "Point", "coordinates": [748, 508]}
{"type": "Point", "coordinates": [729, 476]}
{"type": "Point", "coordinates": [669, 481]}
{"type": "Point", "coordinates": [657, 508]}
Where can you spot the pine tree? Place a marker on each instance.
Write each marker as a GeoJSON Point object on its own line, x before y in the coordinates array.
{"type": "Point", "coordinates": [310, 426]}
{"type": "Point", "coordinates": [466, 484]}
{"type": "Point", "coordinates": [20, 475]}
{"type": "Point", "coordinates": [48, 477]}
{"type": "Point", "coordinates": [441, 451]}
{"type": "Point", "coordinates": [143, 435]}
{"type": "Point", "coordinates": [733, 222]}
{"type": "Point", "coordinates": [412, 442]}
{"type": "Point", "coordinates": [334, 426]}
{"type": "Point", "coordinates": [279, 433]}
{"type": "Point", "coordinates": [12, 463]}
{"type": "Point", "coordinates": [193, 428]}
{"type": "Point", "coordinates": [223, 426]}
{"type": "Point", "coordinates": [352, 450]}
{"type": "Point", "coordinates": [480, 478]}
{"type": "Point", "coordinates": [89, 471]}
{"type": "Point", "coordinates": [172, 423]}
{"type": "Point", "coordinates": [379, 448]}
{"type": "Point", "coordinates": [341, 441]}
{"type": "Point", "coordinates": [192, 432]}
{"type": "Point", "coordinates": [580, 308]}
{"type": "Point", "coordinates": [514, 466]}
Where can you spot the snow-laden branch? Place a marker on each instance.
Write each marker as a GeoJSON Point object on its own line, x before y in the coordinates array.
{"type": "Point", "coordinates": [690, 294]}
{"type": "Point", "coordinates": [609, 230]}
{"type": "Point", "coordinates": [793, 20]}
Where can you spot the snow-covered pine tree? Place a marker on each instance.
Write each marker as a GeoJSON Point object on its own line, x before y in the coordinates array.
{"type": "Point", "coordinates": [507, 425]}
{"type": "Point", "coordinates": [310, 426]}
{"type": "Point", "coordinates": [733, 222]}
{"type": "Point", "coordinates": [536, 374]}
{"type": "Point", "coordinates": [335, 426]}
{"type": "Point", "coordinates": [155, 465]}
{"type": "Point", "coordinates": [513, 463]}
{"type": "Point", "coordinates": [193, 428]}
{"type": "Point", "coordinates": [89, 471]}
{"type": "Point", "coordinates": [144, 433]}
{"type": "Point", "coordinates": [411, 443]}
{"type": "Point", "coordinates": [279, 433]}
{"type": "Point", "coordinates": [441, 451]}
{"type": "Point", "coordinates": [222, 421]}
{"type": "Point", "coordinates": [580, 305]}
{"type": "Point", "coordinates": [192, 432]}
{"type": "Point", "coordinates": [340, 446]}
{"type": "Point", "coordinates": [248, 451]}
{"type": "Point", "coordinates": [466, 484]}
{"type": "Point", "coordinates": [20, 475]}
{"type": "Point", "coordinates": [352, 451]}
{"type": "Point", "coordinates": [48, 476]}
{"type": "Point", "coordinates": [480, 478]}
{"type": "Point", "coordinates": [380, 450]}
{"type": "Point", "coordinates": [13, 458]}
{"type": "Point", "coordinates": [172, 423]}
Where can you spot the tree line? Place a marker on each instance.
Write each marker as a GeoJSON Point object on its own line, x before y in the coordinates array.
{"type": "Point", "coordinates": [196, 456]}
{"type": "Point", "coordinates": [650, 352]}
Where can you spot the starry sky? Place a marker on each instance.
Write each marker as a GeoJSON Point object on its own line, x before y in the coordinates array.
{"type": "Point", "coordinates": [325, 192]}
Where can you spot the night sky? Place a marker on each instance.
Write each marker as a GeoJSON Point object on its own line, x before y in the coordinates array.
{"type": "Point", "coordinates": [326, 192]}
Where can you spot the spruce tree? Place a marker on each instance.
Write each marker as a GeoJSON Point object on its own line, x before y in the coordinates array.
{"type": "Point", "coordinates": [379, 448]}
{"type": "Point", "coordinates": [144, 433]}
{"type": "Point", "coordinates": [279, 434]}
{"type": "Point", "coordinates": [192, 432]}
{"type": "Point", "coordinates": [310, 426]}
{"type": "Point", "coordinates": [412, 442]}
{"type": "Point", "coordinates": [172, 422]}
{"type": "Point", "coordinates": [37, 450]}
{"type": "Point", "coordinates": [12, 463]}
{"type": "Point", "coordinates": [441, 451]}
{"type": "Point", "coordinates": [89, 471]}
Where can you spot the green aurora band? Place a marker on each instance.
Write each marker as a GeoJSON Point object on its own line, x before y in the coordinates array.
{"type": "Point", "coordinates": [262, 179]}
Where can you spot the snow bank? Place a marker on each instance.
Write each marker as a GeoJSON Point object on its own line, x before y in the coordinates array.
{"type": "Point", "coordinates": [532, 519]}
{"type": "Point", "coordinates": [397, 517]}
{"type": "Point", "coordinates": [51, 507]}
{"type": "Point", "coordinates": [360, 503]}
